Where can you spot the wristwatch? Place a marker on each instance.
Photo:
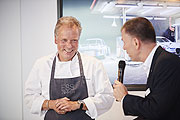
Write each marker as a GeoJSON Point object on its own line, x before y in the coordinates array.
{"type": "Point", "coordinates": [80, 102]}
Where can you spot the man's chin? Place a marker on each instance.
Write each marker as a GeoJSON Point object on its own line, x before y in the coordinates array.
{"type": "Point", "coordinates": [69, 56]}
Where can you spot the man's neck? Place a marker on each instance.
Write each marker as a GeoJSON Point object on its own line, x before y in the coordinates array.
{"type": "Point", "coordinates": [146, 50]}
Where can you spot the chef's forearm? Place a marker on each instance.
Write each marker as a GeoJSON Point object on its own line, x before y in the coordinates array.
{"type": "Point", "coordinates": [45, 105]}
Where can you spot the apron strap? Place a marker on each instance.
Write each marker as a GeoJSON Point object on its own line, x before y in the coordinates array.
{"type": "Point", "coordinates": [53, 68]}
{"type": "Point", "coordinates": [80, 65]}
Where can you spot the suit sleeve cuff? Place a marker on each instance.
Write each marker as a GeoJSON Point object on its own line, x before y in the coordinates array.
{"type": "Point", "coordinates": [122, 102]}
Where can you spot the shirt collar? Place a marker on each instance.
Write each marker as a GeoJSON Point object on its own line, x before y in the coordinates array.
{"type": "Point", "coordinates": [74, 58]}
{"type": "Point", "coordinates": [147, 64]}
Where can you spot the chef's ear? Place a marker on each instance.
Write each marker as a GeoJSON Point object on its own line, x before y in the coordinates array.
{"type": "Point", "coordinates": [55, 39]}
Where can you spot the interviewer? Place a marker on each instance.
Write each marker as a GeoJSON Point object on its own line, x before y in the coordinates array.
{"type": "Point", "coordinates": [162, 99]}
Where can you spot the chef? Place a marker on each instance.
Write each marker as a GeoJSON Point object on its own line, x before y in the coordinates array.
{"type": "Point", "coordinates": [68, 85]}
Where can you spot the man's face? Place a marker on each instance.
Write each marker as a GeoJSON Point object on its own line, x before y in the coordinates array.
{"type": "Point", "coordinates": [67, 42]}
{"type": "Point", "coordinates": [172, 28]}
{"type": "Point", "coordinates": [130, 45]}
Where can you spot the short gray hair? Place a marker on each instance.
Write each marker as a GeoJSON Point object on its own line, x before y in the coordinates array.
{"type": "Point", "coordinates": [67, 20]}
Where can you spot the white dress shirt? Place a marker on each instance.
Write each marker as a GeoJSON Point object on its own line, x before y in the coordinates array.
{"type": "Point", "coordinates": [147, 64]}
{"type": "Point", "coordinates": [100, 92]}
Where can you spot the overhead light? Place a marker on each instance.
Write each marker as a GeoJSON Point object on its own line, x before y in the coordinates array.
{"type": "Point", "coordinates": [126, 5]}
{"type": "Point", "coordinates": [152, 6]}
{"type": "Point", "coordinates": [121, 17]}
{"type": "Point", "coordinates": [159, 18]}
{"type": "Point", "coordinates": [106, 16]}
{"type": "Point", "coordinates": [149, 18]}
{"type": "Point", "coordinates": [114, 23]}
{"type": "Point", "coordinates": [128, 17]}
{"type": "Point", "coordinates": [173, 7]}
{"type": "Point", "coordinates": [92, 5]}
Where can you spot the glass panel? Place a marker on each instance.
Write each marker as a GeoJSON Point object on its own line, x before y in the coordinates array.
{"type": "Point", "coordinates": [101, 37]}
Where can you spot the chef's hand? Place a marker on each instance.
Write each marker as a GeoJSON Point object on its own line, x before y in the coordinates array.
{"type": "Point", "coordinates": [119, 90]}
{"type": "Point", "coordinates": [52, 105]}
{"type": "Point", "coordinates": [67, 105]}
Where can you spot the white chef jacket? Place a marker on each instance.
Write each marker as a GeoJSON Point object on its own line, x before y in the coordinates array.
{"type": "Point", "coordinates": [100, 92]}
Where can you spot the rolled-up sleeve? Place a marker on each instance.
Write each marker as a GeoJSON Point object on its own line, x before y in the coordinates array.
{"type": "Point", "coordinates": [103, 98]}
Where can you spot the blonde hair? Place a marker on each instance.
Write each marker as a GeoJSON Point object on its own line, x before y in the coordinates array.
{"type": "Point", "coordinates": [67, 20]}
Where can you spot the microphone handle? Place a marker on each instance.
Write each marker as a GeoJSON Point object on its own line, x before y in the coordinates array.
{"type": "Point", "coordinates": [120, 75]}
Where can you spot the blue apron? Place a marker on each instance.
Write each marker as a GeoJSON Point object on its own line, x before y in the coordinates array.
{"type": "Point", "coordinates": [72, 88]}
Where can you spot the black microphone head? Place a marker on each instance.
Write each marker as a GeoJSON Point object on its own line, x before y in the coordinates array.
{"type": "Point", "coordinates": [122, 64]}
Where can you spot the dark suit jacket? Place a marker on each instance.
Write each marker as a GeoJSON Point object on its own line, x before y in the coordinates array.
{"type": "Point", "coordinates": [163, 101]}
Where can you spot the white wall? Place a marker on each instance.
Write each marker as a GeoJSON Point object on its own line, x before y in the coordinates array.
{"type": "Point", "coordinates": [38, 18]}
{"type": "Point", "coordinates": [10, 62]}
{"type": "Point", "coordinates": [26, 33]}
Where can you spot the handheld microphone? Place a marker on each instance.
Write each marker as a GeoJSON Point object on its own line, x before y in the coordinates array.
{"type": "Point", "coordinates": [121, 67]}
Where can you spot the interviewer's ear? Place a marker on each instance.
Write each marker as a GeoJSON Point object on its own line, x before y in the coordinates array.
{"type": "Point", "coordinates": [137, 43]}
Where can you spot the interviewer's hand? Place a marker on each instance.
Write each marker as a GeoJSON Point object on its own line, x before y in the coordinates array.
{"type": "Point", "coordinates": [119, 90]}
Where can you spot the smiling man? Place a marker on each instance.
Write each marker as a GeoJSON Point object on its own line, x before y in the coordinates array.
{"type": "Point", "coordinates": [66, 38]}
{"type": "Point", "coordinates": [68, 85]}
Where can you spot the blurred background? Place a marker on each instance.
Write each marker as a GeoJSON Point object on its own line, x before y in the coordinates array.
{"type": "Point", "coordinates": [26, 33]}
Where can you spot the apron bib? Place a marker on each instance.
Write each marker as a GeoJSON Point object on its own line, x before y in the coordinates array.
{"type": "Point", "coordinates": [72, 88]}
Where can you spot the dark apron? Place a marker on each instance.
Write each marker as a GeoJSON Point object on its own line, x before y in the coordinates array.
{"type": "Point", "coordinates": [72, 88]}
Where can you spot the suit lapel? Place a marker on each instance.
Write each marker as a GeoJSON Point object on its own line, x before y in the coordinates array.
{"type": "Point", "coordinates": [156, 55]}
